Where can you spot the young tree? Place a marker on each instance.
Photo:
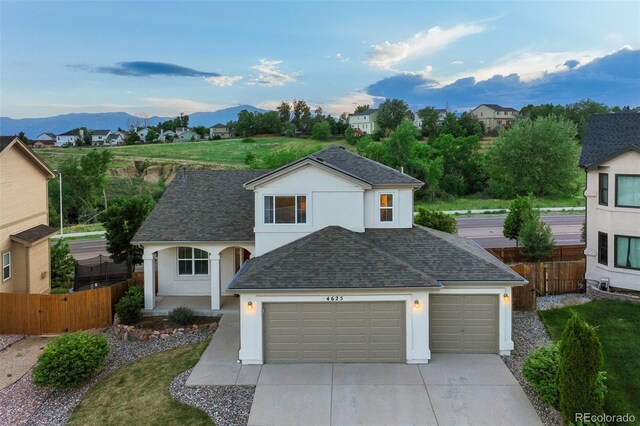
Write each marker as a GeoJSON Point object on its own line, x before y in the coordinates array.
{"type": "Point", "coordinates": [152, 135]}
{"type": "Point", "coordinates": [284, 112]}
{"type": "Point", "coordinates": [536, 239]}
{"type": "Point", "coordinates": [519, 208]}
{"type": "Point", "coordinates": [391, 113]}
{"type": "Point", "coordinates": [302, 116]}
{"type": "Point", "coordinates": [62, 264]}
{"type": "Point", "coordinates": [538, 157]}
{"type": "Point", "coordinates": [122, 220]}
{"type": "Point", "coordinates": [429, 117]}
{"type": "Point", "coordinates": [24, 138]}
{"type": "Point", "coordinates": [350, 136]}
{"type": "Point", "coordinates": [132, 137]}
{"type": "Point", "coordinates": [321, 131]}
{"type": "Point", "coordinates": [182, 120]}
{"type": "Point", "coordinates": [451, 126]}
{"type": "Point", "coordinates": [436, 220]}
{"type": "Point", "coordinates": [579, 370]}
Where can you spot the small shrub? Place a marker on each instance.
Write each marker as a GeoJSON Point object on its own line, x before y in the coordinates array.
{"type": "Point", "coordinates": [216, 138]}
{"type": "Point", "coordinates": [248, 140]}
{"type": "Point", "coordinates": [70, 359]}
{"type": "Point", "coordinates": [541, 370]}
{"type": "Point", "coordinates": [181, 316]}
{"type": "Point", "coordinates": [436, 220]}
{"type": "Point", "coordinates": [128, 307]}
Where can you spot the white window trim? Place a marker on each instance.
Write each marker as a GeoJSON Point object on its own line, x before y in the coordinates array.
{"type": "Point", "coordinates": [307, 221]}
{"type": "Point", "coordinates": [394, 212]}
{"type": "Point", "coordinates": [8, 254]}
{"type": "Point", "coordinates": [193, 262]}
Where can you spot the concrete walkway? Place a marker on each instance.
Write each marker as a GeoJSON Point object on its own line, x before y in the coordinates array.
{"type": "Point", "coordinates": [17, 359]}
{"type": "Point", "coordinates": [450, 390]}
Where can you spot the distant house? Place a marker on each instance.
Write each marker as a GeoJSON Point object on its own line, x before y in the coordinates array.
{"type": "Point", "coordinates": [364, 121]}
{"type": "Point", "coordinates": [142, 134]}
{"type": "Point", "coordinates": [221, 130]}
{"type": "Point", "coordinates": [181, 130]}
{"type": "Point", "coordinates": [24, 230]}
{"type": "Point", "coordinates": [494, 116]}
{"type": "Point", "coordinates": [46, 137]}
{"type": "Point", "coordinates": [167, 135]}
{"type": "Point", "coordinates": [99, 137]}
{"type": "Point", "coordinates": [70, 137]}
{"type": "Point", "coordinates": [417, 121]}
{"type": "Point", "coordinates": [116, 138]}
{"type": "Point", "coordinates": [189, 135]}
{"type": "Point", "coordinates": [44, 144]}
{"type": "Point", "coordinates": [611, 159]}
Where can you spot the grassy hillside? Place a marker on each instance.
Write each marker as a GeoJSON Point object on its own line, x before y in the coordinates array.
{"type": "Point", "coordinates": [228, 153]}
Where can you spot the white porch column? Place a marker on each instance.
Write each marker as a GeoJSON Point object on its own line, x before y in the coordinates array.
{"type": "Point", "coordinates": [149, 279]}
{"type": "Point", "coordinates": [215, 280]}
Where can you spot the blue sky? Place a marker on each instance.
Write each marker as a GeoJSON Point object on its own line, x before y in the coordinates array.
{"type": "Point", "coordinates": [163, 58]}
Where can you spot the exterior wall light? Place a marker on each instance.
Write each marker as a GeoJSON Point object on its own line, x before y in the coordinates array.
{"type": "Point", "coordinates": [416, 303]}
{"type": "Point", "coordinates": [505, 297]}
{"type": "Point", "coordinates": [250, 305]}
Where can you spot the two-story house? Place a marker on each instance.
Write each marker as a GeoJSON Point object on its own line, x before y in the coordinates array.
{"type": "Point", "coordinates": [99, 137]}
{"type": "Point", "coordinates": [220, 130]}
{"type": "Point", "coordinates": [327, 263]}
{"type": "Point", "coordinates": [364, 121]}
{"type": "Point", "coordinates": [24, 216]}
{"type": "Point", "coordinates": [611, 159]}
{"type": "Point", "coordinates": [69, 138]}
{"type": "Point", "coordinates": [494, 116]}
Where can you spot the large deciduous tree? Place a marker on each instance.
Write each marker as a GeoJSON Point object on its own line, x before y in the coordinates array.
{"type": "Point", "coordinates": [429, 117]}
{"type": "Point", "coordinates": [284, 112]}
{"type": "Point", "coordinates": [391, 113]}
{"type": "Point", "coordinates": [538, 157]}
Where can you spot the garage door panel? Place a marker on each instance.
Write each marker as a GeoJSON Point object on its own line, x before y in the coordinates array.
{"type": "Point", "coordinates": [463, 323]}
{"type": "Point", "coordinates": [335, 332]}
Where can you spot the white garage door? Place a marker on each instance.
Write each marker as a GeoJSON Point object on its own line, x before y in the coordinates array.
{"type": "Point", "coordinates": [334, 332]}
{"type": "Point", "coordinates": [463, 323]}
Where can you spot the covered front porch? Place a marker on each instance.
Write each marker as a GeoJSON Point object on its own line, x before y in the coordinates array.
{"type": "Point", "coordinates": [194, 275]}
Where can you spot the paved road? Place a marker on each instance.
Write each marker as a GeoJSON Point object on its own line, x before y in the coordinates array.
{"type": "Point", "coordinates": [86, 249]}
{"type": "Point", "coordinates": [487, 231]}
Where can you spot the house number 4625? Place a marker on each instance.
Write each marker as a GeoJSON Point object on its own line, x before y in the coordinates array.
{"type": "Point", "coordinates": [334, 298]}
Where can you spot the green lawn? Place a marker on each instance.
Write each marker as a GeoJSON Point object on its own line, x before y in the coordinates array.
{"type": "Point", "coordinates": [474, 202]}
{"type": "Point", "coordinates": [228, 153]}
{"type": "Point", "coordinates": [138, 393]}
{"type": "Point", "coordinates": [618, 326]}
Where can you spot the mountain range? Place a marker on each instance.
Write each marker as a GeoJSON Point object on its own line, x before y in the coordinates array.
{"type": "Point", "coordinates": [32, 127]}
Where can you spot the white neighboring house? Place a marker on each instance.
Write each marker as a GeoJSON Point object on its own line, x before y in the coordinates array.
{"type": "Point", "coordinates": [46, 137]}
{"type": "Point", "coordinates": [116, 138]}
{"type": "Point", "coordinates": [189, 135]}
{"type": "Point", "coordinates": [99, 137]}
{"type": "Point", "coordinates": [69, 137]}
{"type": "Point", "coordinates": [364, 121]}
{"type": "Point", "coordinates": [142, 134]}
{"type": "Point", "coordinates": [167, 135]}
{"type": "Point", "coordinates": [611, 159]}
{"type": "Point", "coordinates": [494, 116]}
{"type": "Point", "coordinates": [327, 263]}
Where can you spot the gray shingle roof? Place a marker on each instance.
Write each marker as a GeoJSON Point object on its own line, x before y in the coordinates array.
{"type": "Point", "coordinates": [497, 107]}
{"type": "Point", "coordinates": [378, 258]}
{"type": "Point", "coordinates": [100, 132]}
{"type": "Point", "coordinates": [205, 205]}
{"type": "Point", "coordinates": [609, 135]}
{"type": "Point", "coordinates": [35, 233]}
{"type": "Point", "coordinates": [70, 133]}
{"type": "Point", "coordinates": [356, 166]}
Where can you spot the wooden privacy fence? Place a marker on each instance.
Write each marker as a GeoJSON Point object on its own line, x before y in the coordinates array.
{"type": "Point", "coordinates": [544, 279]}
{"type": "Point", "coordinates": [58, 313]}
{"type": "Point", "coordinates": [560, 253]}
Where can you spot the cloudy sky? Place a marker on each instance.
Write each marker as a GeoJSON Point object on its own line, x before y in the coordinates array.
{"type": "Point", "coordinates": [166, 57]}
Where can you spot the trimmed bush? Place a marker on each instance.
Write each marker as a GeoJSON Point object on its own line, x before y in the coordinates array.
{"type": "Point", "coordinates": [181, 316]}
{"type": "Point", "coordinates": [541, 370]}
{"type": "Point", "coordinates": [128, 307]}
{"type": "Point", "coordinates": [70, 359]}
{"type": "Point", "coordinates": [579, 370]}
{"type": "Point", "coordinates": [436, 220]}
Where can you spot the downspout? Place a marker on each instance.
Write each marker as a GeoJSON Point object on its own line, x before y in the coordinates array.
{"type": "Point", "coordinates": [586, 228]}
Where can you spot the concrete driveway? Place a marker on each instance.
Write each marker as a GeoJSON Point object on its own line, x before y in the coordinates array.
{"type": "Point", "coordinates": [450, 390]}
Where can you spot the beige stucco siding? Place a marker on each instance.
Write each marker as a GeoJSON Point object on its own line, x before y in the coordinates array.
{"type": "Point", "coordinates": [39, 268]}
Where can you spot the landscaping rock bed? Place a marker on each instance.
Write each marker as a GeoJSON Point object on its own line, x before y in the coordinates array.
{"type": "Point", "coordinates": [226, 405]}
{"type": "Point", "coordinates": [132, 332]}
{"type": "Point", "coordinates": [561, 300]}
{"type": "Point", "coordinates": [628, 296]}
{"type": "Point", "coordinates": [27, 404]}
{"type": "Point", "coordinates": [528, 334]}
{"type": "Point", "coordinates": [9, 339]}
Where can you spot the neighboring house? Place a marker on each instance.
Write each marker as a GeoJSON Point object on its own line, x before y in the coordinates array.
{"type": "Point", "coordinates": [611, 159]}
{"type": "Point", "coordinates": [338, 272]}
{"type": "Point", "coordinates": [167, 135]}
{"type": "Point", "coordinates": [417, 121]}
{"type": "Point", "coordinates": [364, 121]}
{"type": "Point", "coordinates": [221, 130]}
{"type": "Point", "coordinates": [180, 130]}
{"type": "Point", "coordinates": [24, 216]}
{"type": "Point", "coordinates": [189, 135]}
{"type": "Point", "coordinates": [494, 116]}
{"type": "Point", "coordinates": [44, 144]}
{"type": "Point", "coordinates": [70, 137]}
{"type": "Point", "coordinates": [99, 137]}
{"type": "Point", "coordinates": [116, 138]}
{"type": "Point", "coordinates": [142, 134]}
{"type": "Point", "coordinates": [46, 137]}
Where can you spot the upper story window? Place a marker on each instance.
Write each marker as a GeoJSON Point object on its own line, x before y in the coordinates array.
{"type": "Point", "coordinates": [603, 248]}
{"type": "Point", "coordinates": [192, 261]}
{"type": "Point", "coordinates": [603, 189]}
{"type": "Point", "coordinates": [285, 209]}
{"type": "Point", "coordinates": [6, 266]}
{"type": "Point", "coordinates": [386, 207]}
{"type": "Point", "coordinates": [627, 190]}
{"type": "Point", "coordinates": [627, 252]}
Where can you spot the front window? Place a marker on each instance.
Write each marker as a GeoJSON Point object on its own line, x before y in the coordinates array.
{"type": "Point", "coordinates": [285, 209]}
{"type": "Point", "coordinates": [628, 190]}
{"type": "Point", "coordinates": [192, 261]}
{"type": "Point", "coordinates": [603, 189]}
{"type": "Point", "coordinates": [603, 248]}
{"type": "Point", "coordinates": [627, 252]}
{"type": "Point", "coordinates": [6, 266]}
{"type": "Point", "coordinates": [386, 207]}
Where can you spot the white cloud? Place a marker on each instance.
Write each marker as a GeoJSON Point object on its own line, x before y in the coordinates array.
{"type": "Point", "coordinates": [527, 64]}
{"type": "Point", "coordinates": [267, 104]}
{"type": "Point", "coordinates": [341, 58]}
{"type": "Point", "coordinates": [224, 80]}
{"type": "Point", "coordinates": [348, 103]}
{"type": "Point", "coordinates": [457, 63]}
{"type": "Point", "coordinates": [269, 74]}
{"type": "Point", "coordinates": [386, 55]}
